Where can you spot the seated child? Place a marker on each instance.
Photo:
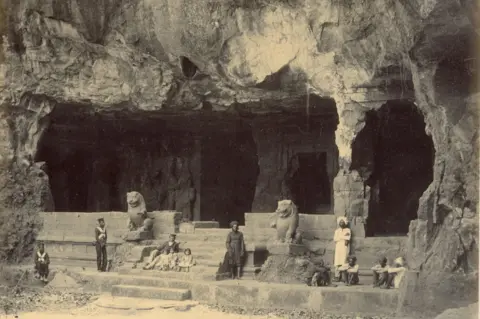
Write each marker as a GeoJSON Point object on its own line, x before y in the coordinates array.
{"type": "Point", "coordinates": [380, 272]}
{"type": "Point", "coordinates": [321, 277]}
{"type": "Point", "coordinates": [172, 260]}
{"type": "Point", "coordinates": [42, 261]}
{"type": "Point", "coordinates": [186, 261]}
{"type": "Point", "coordinates": [396, 273]}
{"type": "Point", "coordinates": [349, 271]}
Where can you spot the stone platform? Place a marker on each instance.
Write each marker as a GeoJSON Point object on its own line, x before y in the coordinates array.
{"type": "Point", "coordinates": [317, 232]}
{"type": "Point", "coordinates": [248, 293]}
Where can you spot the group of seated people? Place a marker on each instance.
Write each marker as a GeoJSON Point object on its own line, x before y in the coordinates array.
{"type": "Point", "coordinates": [384, 276]}
{"type": "Point", "coordinates": [167, 257]}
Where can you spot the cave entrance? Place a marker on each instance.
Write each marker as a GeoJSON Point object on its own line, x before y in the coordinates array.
{"type": "Point", "coordinates": [204, 166]}
{"type": "Point", "coordinates": [229, 176]}
{"type": "Point", "coordinates": [309, 183]}
{"type": "Point", "coordinates": [399, 156]}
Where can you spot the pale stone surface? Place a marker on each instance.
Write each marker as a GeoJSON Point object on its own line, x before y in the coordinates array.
{"type": "Point", "coordinates": [165, 222]}
{"type": "Point", "coordinates": [205, 224]}
{"type": "Point", "coordinates": [265, 296]}
{"type": "Point", "coordinates": [186, 228]}
{"type": "Point", "coordinates": [68, 225]}
{"type": "Point", "coordinates": [470, 312]}
{"type": "Point", "coordinates": [62, 280]}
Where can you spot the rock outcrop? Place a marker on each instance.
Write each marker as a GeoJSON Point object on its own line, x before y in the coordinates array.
{"type": "Point", "coordinates": [251, 56]}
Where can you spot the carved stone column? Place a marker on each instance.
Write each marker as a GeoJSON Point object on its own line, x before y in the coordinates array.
{"type": "Point", "coordinates": [351, 195]}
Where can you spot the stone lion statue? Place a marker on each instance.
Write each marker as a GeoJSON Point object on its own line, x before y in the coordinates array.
{"type": "Point", "coordinates": [286, 221]}
{"type": "Point", "coordinates": [137, 210]}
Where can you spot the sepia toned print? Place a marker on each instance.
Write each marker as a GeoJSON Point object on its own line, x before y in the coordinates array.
{"type": "Point", "coordinates": [239, 158]}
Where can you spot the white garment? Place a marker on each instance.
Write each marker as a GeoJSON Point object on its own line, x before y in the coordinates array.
{"type": "Point", "coordinates": [349, 268]}
{"type": "Point", "coordinates": [102, 232]}
{"type": "Point", "coordinates": [400, 271]}
{"type": "Point", "coordinates": [341, 250]}
{"type": "Point", "coordinates": [41, 257]}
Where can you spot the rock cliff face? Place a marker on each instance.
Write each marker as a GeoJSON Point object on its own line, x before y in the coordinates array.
{"type": "Point", "coordinates": [250, 56]}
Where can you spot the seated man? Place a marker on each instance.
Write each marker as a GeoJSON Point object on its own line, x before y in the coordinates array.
{"type": "Point", "coordinates": [349, 271]}
{"type": "Point", "coordinates": [171, 244]}
{"type": "Point", "coordinates": [321, 277]}
{"type": "Point", "coordinates": [396, 273]}
{"type": "Point", "coordinates": [42, 261]}
{"type": "Point", "coordinates": [380, 272]}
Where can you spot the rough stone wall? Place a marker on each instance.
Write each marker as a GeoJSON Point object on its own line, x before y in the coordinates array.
{"type": "Point", "coordinates": [275, 148]}
{"type": "Point", "coordinates": [124, 51]}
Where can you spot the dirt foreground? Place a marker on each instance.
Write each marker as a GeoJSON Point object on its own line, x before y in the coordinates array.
{"type": "Point", "coordinates": [196, 312]}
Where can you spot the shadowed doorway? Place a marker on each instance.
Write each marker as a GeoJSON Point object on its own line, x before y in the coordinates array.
{"type": "Point", "coordinates": [309, 182]}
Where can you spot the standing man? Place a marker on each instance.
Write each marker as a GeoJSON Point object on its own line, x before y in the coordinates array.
{"type": "Point", "coordinates": [235, 250]}
{"type": "Point", "coordinates": [342, 245]}
{"type": "Point", "coordinates": [101, 245]}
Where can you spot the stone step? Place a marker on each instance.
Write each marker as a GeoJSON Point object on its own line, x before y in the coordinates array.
{"type": "Point", "coordinates": [196, 273]}
{"type": "Point", "coordinates": [362, 299]}
{"type": "Point", "coordinates": [216, 231]}
{"type": "Point", "coordinates": [151, 292]}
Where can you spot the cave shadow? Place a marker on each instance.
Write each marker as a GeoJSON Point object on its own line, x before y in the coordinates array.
{"type": "Point", "coordinates": [308, 182]}
{"type": "Point", "coordinates": [229, 176]}
{"type": "Point", "coordinates": [395, 157]}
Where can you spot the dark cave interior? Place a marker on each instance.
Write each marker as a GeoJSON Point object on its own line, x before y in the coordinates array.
{"type": "Point", "coordinates": [94, 158]}
{"type": "Point", "coordinates": [396, 156]}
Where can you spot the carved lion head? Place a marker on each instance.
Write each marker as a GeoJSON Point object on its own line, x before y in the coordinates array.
{"type": "Point", "coordinates": [134, 199]}
{"type": "Point", "coordinates": [286, 208]}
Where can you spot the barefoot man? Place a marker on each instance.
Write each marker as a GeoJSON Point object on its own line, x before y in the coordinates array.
{"type": "Point", "coordinates": [342, 245]}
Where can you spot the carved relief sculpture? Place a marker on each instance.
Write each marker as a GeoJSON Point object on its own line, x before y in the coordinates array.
{"type": "Point", "coordinates": [286, 222]}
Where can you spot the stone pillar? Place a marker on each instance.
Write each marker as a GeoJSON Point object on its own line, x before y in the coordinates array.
{"type": "Point", "coordinates": [351, 195]}
{"type": "Point", "coordinates": [196, 167]}
{"type": "Point", "coordinates": [348, 186]}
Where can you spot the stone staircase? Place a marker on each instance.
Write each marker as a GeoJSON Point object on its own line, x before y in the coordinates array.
{"type": "Point", "coordinates": [70, 249]}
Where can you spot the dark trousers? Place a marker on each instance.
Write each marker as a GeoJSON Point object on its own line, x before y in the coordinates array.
{"type": "Point", "coordinates": [350, 278]}
{"type": "Point", "coordinates": [379, 278]}
{"type": "Point", "coordinates": [390, 278]}
{"type": "Point", "coordinates": [42, 269]}
{"type": "Point", "coordinates": [101, 256]}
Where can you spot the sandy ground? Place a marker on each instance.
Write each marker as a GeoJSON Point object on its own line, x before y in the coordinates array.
{"type": "Point", "coordinates": [196, 312]}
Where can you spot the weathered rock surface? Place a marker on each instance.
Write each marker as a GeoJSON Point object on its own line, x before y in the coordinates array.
{"type": "Point", "coordinates": [118, 55]}
{"type": "Point", "coordinates": [464, 312]}
{"type": "Point", "coordinates": [287, 269]}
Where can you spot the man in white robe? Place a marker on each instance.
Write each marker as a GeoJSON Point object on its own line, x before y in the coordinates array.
{"type": "Point", "coordinates": [396, 273]}
{"type": "Point", "coordinates": [342, 245]}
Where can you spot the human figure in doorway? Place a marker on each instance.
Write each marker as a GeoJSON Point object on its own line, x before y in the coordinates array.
{"type": "Point", "coordinates": [101, 245]}
{"type": "Point", "coordinates": [181, 194]}
{"type": "Point", "coordinates": [235, 250]}
{"type": "Point", "coordinates": [341, 238]}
